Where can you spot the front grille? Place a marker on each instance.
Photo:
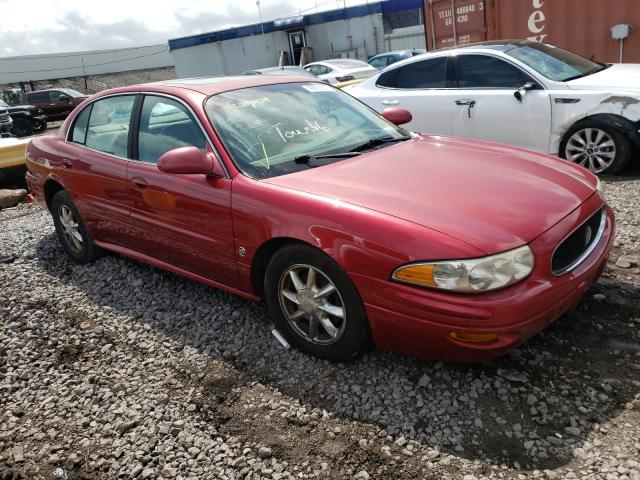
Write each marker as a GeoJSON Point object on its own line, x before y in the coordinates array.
{"type": "Point", "coordinates": [577, 246]}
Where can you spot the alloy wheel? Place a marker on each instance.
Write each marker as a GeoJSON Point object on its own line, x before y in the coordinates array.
{"type": "Point", "coordinates": [70, 229]}
{"type": "Point", "coordinates": [592, 148]}
{"type": "Point", "coordinates": [312, 304]}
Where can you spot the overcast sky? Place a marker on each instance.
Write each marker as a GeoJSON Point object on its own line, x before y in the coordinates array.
{"type": "Point", "coordinates": [41, 26]}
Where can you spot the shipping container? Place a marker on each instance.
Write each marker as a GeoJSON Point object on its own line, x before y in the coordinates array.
{"type": "Point", "coordinates": [583, 26]}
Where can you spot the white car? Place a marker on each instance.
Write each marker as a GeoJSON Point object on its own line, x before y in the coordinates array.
{"type": "Point", "coordinates": [522, 93]}
{"type": "Point", "coordinates": [341, 70]}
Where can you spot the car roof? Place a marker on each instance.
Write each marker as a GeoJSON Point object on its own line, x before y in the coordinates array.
{"type": "Point", "coordinates": [340, 62]}
{"type": "Point", "coordinates": [497, 45]}
{"type": "Point", "coordinates": [213, 85]}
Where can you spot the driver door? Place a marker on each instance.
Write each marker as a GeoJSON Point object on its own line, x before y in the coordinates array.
{"type": "Point", "coordinates": [487, 109]}
{"type": "Point", "coordinates": [181, 219]}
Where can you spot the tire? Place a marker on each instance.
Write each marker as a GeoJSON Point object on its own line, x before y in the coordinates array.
{"type": "Point", "coordinates": [598, 145]}
{"type": "Point", "coordinates": [22, 127]}
{"type": "Point", "coordinates": [75, 240]}
{"type": "Point", "coordinates": [40, 126]}
{"type": "Point", "coordinates": [334, 337]}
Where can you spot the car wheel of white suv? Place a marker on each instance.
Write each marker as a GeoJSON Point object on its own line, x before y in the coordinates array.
{"type": "Point", "coordinates": [597, 145]}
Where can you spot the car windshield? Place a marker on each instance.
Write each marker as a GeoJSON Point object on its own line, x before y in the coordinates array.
{"type": "Point", "coordinates": [72, 93]}
{"type": "Point", "coordinates": [3, 104]}
{"type": "Point", "coordinates": [555, 63]}
{"type": "Point", "coordinates": [266, 128]}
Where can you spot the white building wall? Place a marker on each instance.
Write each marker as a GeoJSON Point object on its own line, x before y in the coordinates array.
{"type": "Point", "coordinates": [405, 38]}
{"type": "Point", "coordinates": [365, 33]}
{"type": "Point", "coordinates": [64, 65]}
{"type": "Point", "coordinates": [231, 57]}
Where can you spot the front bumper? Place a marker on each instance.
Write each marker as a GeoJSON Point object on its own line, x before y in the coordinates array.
{"type": "Point", "coordinates": [419, 321]}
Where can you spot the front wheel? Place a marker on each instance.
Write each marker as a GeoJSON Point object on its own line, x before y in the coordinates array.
{"type": "Point", "coordinates": [315, 304]}
{"type": "Point", "coordinates": [597, 145]}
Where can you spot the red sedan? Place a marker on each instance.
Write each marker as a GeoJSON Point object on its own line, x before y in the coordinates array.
{"type": "Point", "coordinates": [350, 228]}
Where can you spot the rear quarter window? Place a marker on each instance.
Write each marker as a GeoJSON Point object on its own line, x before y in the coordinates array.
{"type": "Point", "coordinates": [79, 131]}
{"type": "Point", "coordinates": [431, 73]}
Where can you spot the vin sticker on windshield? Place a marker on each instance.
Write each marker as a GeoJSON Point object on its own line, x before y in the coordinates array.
{"type": "Point", "coordinates": [317, 87]}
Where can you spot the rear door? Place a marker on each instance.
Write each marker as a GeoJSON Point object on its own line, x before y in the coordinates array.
{"type": "Point", "coordinates": [40, 100]}
{"type": "Point", "coordinates": [183, 220]}
{"type": "Point", "coordinates": [422, 88]}
{"type": "Point", "coordinates": [94, 161]}
{"type": "Point", "coordinates": [487, 109]}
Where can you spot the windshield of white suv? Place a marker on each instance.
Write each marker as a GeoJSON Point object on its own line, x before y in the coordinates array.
{"type": "Point", "coordinates": [274, 130]}
{"type": "Point", "coordinates": [555, 63]}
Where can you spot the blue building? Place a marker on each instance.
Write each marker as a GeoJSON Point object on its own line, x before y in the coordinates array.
{"type": "Point", "coordinates": [354, 32]}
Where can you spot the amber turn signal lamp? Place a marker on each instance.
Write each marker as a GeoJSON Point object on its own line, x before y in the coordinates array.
{"type": "Point", "coordinates": [473, 337]}
{"type": "Point", "coordinates": [418, 274]}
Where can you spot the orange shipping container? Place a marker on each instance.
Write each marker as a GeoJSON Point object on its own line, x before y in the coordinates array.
{"type": "Point", "coordinates": [583, 26]}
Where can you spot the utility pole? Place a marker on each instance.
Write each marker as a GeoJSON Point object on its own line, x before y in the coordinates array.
{"type": "Point", "coordinates": [84, 74]}
{"type": "Point", "coordinates": [260, 15]}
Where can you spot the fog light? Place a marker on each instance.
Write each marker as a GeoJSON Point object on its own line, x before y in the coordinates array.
{"type": "Point", "coordinates": [473, 337]}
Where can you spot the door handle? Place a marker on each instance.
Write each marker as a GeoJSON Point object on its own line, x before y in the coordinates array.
{"type": "Point", "coordinates": [139, 182]}
{"type": "Point", "coordinates": [66, 163]}
{"type": "Point", "coordinates": [390, 102]}
{"type": "Point", "coordinates": [467, 103]}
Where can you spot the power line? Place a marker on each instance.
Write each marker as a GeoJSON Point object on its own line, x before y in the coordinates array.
{"type": "Point", "coordinates": [75, 54]}
{"type": "Point", "coordinates": [92, 65]}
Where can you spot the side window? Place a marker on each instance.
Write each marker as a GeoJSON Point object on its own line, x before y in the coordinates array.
{"type": "Point", "coordinates": [484, 71]}
{"type": "Point", "coordinates": [108, 128]}
{"type": "Point", "coordinates": [431, 73]}
{"type": "Point", "coordinates": [166, 124]}
{"type": "Point", "coordinates": [54, 96]}
{"type": "Point", "coordinates": [391, 59]}
{"type": "Point", "coordinates": [38, 97]}
{"type": "Point", "coordinates": [79, 132]}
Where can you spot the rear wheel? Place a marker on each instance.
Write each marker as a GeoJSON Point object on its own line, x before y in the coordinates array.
{"type": "Point", "coordinates": [315, 304]}
{"type": "Point", "coordinates": [70, 230]}
{"type": "Point", "coordinates": [597, 145]}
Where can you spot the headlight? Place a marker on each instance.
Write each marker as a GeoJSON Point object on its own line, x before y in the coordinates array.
{"type": "Point", "coordinates": [470, 276]}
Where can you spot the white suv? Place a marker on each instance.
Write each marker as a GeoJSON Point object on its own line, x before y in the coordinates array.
{"type": "Point", "coordinates": [522, 93]}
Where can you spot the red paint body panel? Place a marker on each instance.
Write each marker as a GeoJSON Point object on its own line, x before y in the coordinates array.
{"type": "Point", "coordinates": [429, 198]}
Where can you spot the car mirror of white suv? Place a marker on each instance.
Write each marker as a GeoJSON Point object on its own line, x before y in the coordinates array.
{"type": "Point", "coordinates": [520, 93]}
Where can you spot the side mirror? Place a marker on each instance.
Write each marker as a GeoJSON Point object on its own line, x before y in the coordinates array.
{"type": "Point", "coordinates": [397, 115]}
{"type": "Point", "coordinates": [64, 98]}
{"type": "Point", "coordinates": [189, 160]}
{"type": "Point", "coordinates": [519, 94]}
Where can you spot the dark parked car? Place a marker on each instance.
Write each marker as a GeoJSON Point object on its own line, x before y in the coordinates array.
{"type": "Point", "coordinates": [27, 119]}
{"type": "Point", "coordinates": [385, 59]}
{"type": "Point", "coordinates": [6, 123]}
{"type": "Point", "coordinates": [56, 103]}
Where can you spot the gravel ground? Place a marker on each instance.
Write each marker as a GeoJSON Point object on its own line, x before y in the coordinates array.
{"type": "Point", "coordinates": [121, 370]}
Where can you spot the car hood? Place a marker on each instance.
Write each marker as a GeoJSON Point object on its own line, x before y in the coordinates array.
{"type": "Point", "coordinates": [22, 108]}
{"type": "Point", "coordinates": [625, 76]}
{"type": "Point", "coordinates": [490, 196]}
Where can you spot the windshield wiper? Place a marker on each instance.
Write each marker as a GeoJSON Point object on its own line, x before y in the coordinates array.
{"type": "Point", "coordinates": [374, 142]}
{"type": "Point", "coordinates": [306, 159]}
